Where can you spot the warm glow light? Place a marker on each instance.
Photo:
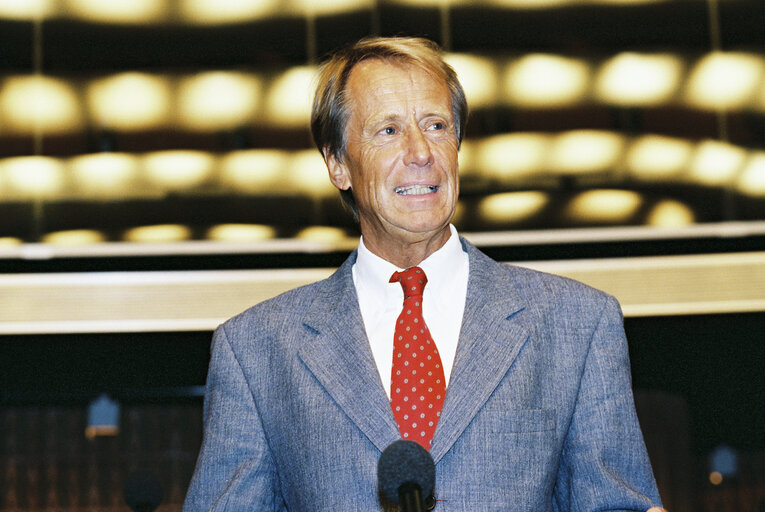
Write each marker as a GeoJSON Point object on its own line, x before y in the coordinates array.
{"type": "Point", "coordinates": [32, 104]}
{"type": "Point", "coordinates": [546, 81]}
{"type": "Point", "coordinates": [478, 77]}
{"type": "Point", "coordinates": [723, 81]}
{"type": "Point", "coordinates": [158, 234]}
{"type": "Point", "coordinates": [307, 174]}
{"type": "Point", "coordinates": [226, 11]}
{"type": "Point", "coordinates": [257, 171]}
{"type": "Point", "coordinates": [330, 6]}
{"type": "Point", "coordinates": [118, 11]}
{"type": "Point", "coordinates": [546, 4]}
{"type": "Point", "coordinates": [468, 157]}
{"type": "Point", "coordinates": [26, 9]}
{"type": "Point", "coordinates": [129, 101]}
{"type": "Point", "coordinates": [74, 237]}
{"type": "Point", "coordinates": [715, 478]}
{"type": "Point", "coordinates": [585, 151]}
{"type": "Point", "coordinates": [654, 157]}
{"type": "Point", "coordinates": [752, 179]}
{"type": "Point", "coordinates": [322, 234]}
{"type": "Point", "coordinates": [218, 100]}
{"type": "Point", "coordinates": [33, 176]}
{"type": "Point", "coordinates": [529, 4]}
{"type": "Point", "coordinates": [604, 206]}
{"type": "Point", "coordinates": [632, 79]}
{"type": "Point", "coordinates": [178, 169]}
{"type": "Point", "coordinates": [628, 2]}
{"type": "Point", "coordinates": [670, 214]}
{"type": "Point", "coordinates": [289, 98]}
{"type": "Point", "coordinates": [9, 241]}
{"type": "Point", "coordinates": [513, 155]}
{"type": "Point", "coordinates": [511, 207]}
{"type": "Point", "coordinates": [716, 163]}
{"type": "Point", "coordinates": [104, 174]}
{"type": "Point", "coordinates": [241, 232]}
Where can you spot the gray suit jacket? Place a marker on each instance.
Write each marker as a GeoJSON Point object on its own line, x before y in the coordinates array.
{"type": "Point", "coordinates": [539, 414]}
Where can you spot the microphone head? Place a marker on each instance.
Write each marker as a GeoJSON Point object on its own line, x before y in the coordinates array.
{"type": "Point", "coordinates": [143, 491]}
{"type": "Point", "coordinates": [405, 462]}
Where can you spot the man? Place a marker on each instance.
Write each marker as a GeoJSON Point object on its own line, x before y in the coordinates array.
{"type": "Point", "coordinates": [306, 390]}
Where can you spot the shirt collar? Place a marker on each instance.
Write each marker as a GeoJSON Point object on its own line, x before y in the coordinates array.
{"type": "Point", "coordinates": [373, 273]}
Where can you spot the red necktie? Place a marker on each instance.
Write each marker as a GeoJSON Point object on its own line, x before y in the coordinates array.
{"type": "Point", "coordinates": [418, 385]}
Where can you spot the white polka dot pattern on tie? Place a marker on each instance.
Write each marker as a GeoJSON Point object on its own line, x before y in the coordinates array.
{"type": "Point", "coordinates": [413, 351]}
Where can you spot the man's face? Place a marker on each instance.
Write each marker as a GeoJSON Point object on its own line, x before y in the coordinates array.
{"type": "Point", "coordinates": [401, 154]}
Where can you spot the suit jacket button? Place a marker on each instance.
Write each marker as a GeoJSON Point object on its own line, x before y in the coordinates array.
{"type": "Point", "coordinates": [430, 502]}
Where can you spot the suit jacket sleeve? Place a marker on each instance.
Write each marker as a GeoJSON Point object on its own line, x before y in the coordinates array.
{"type": "Point", "coordinates": [604, 463]}
{"type": "Point", "coordinates": [235, 469]}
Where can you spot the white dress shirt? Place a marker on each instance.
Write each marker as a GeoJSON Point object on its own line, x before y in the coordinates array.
{"type": "Point", "coordinates": [443, 301]}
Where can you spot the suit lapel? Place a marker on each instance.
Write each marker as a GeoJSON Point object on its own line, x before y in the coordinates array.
{"type": "Point", "coordinates": [493, 331]}
{"type": "Point", "coordinates": [337, 352]}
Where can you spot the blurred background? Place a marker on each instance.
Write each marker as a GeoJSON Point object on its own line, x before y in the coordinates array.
{"type": "Point", "coordinates": [157, 176]}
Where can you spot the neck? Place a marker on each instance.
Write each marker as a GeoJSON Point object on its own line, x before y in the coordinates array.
{"type": "Point", "coordinates": [405, 253]}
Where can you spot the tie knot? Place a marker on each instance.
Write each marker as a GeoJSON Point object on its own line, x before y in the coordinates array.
{"type": "Point", "coordinates": [413, 281]}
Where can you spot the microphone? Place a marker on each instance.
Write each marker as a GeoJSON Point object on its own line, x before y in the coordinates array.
{"type": "Point", "coordinates": [143, 492]}
{"type": "Point", "coordinates": [406, 474]}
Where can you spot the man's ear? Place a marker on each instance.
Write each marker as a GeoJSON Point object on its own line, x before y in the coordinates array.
{"type": "Point", "coordinates": [339, 174]}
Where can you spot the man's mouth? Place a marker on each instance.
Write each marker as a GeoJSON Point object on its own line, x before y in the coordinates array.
{"type": "Point", "coordinates": [414, 190]}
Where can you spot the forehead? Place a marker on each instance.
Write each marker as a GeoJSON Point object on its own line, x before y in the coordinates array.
{"type": "Point", "coordinates": [375, 82]}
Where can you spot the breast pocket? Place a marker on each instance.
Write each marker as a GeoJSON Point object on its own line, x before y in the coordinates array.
{"type": "Point", "coordinates": [509, 454]}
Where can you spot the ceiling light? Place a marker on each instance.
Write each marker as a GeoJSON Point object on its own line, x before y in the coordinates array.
{"type": "Point", "coordinates": [716, 163]}
{"type": "Point", "coordinates": [468, 157]}
{"type": "Point", "coordinates": [129, 101]}
{"type": "Point", "coordinates": [546, 81]}
{"type": "Point", "coordinates": [227, 11]}
{"type": "Point", "coordinates": [654, 157]}
{"type": "Point", "coordinates": [75, 237]}
{"type": "Point", "coordinates": [752, 179]}
{"type": "Point", "coordinates": [289, 98]}
{"type": "Point", "coordinates": [178, 169]}
{"type": "Point", "coordinates": [478, 77]}
{"type": "Point", "coordinates": [255, 171]}
{"type": "Point", "coordinates": [158, 233]}
{"type": "Point", "coordinates": [105, 174]}
{"type": "Point", "coordinates": [218, 100]}
{"type": "Point", "coordinates": [603, 206]}
{"type": "Point", "coordinates": [512, 207]}
{"type": "Point", "coordinates": [26, 9]}
{"type": "Point", "coordinates": [632, 79]}
{"type": "Point", "coordinates": [322, 234]}
{"type": "Point", "coordinates": [37, 104]}
{"type": "Point", "coordinates": [724, 81]}
{"type": "Point", "coordinates": [33, 176]}
{"type": "Point", "coordinates": [513, 155]}
{"type": "Point", "coordinates": [670, 214]}
{"type": "Point", "coordinates": [629, 2]}
{"type": "Point", "coordinates": [241, 232]}
{"type": "Point", "coordinates": [529, 4]}
{"type": "Point", "coordinates": [585, 151]}
{"type": "Point", "coordinates": [307, 174]}
{"type": "Point", "coordinates": [118, 11]}
{"type": "Point", "coordinates": [326, 7]}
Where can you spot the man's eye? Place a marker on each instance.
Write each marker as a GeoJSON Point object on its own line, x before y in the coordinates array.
{"type": "Point", "coordinates": [438, 126]}
{"type": "Point", "coordinates": [389, 130]}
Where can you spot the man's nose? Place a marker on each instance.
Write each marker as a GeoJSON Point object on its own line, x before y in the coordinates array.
{"type": "Point", "coordinates": [418, 148]}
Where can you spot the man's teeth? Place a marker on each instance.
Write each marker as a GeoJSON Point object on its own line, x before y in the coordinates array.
{"type": "Point", "coordinates": [416, 190]}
